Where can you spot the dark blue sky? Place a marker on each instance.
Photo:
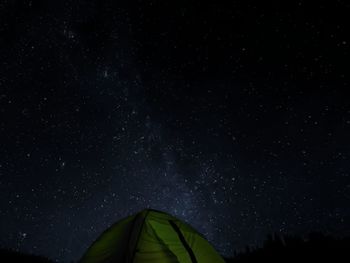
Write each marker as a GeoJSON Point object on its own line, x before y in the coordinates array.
{"type": "Point", "coordinates": [235, 118]}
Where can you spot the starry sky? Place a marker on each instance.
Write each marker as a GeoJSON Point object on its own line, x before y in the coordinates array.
{"type": "Point", "coordinates": [234, 117]}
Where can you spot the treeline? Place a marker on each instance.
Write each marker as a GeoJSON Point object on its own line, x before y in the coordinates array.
{"type": "Point", "coordinates": [315, 248]}
{"type": "Point", "coordinates": [7, 255]}
{"type": "Point", "coordinates": [282, 249]}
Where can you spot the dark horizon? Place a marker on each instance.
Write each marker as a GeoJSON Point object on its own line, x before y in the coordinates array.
{"type": "Point", "coordinates": [275, 248]}
{"type": "Point", "coordinates": [233, 117]}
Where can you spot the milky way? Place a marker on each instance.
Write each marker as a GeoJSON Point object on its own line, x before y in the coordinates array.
{"type": "Point", "coordinates": [232, 118]}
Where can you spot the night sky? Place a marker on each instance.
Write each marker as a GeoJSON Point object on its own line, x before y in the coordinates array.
{"type": "Point", "coordinates": [233, 117]}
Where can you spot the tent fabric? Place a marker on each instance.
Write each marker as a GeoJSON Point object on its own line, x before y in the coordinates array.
{"type": "Point", "coordinates": [151, 236]}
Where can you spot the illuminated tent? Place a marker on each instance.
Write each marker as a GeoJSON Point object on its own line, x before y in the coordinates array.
{"type": "Point", "coordinates": [151, 236]}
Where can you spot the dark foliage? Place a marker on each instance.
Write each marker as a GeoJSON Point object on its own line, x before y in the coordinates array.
{"type": "Point", "coordinates": [7, 255]}
{"type": "Point", "coordinates": [315, 248]}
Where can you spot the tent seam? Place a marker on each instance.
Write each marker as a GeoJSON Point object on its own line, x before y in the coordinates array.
{"type": "Point", "coordinates": [138, 237]}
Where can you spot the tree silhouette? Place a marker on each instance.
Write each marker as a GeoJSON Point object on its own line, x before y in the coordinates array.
{"type": "Point", "coordinates": [316, 248]}
{"type": "Point", "coordinates": [7, 255]}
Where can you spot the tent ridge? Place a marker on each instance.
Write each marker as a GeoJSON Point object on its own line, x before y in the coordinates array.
{"type": "Point", "coordinates": [183, 241]}
{"type": "Point", "coordinates": [138, 235]}
{"type": "Point", "coordinates": [129, 237]}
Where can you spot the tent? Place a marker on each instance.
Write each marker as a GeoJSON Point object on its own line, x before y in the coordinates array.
{"type": "Point", "coordinates": [151, 236]}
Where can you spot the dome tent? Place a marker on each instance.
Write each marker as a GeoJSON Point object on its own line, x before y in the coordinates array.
{"type": "Point", "coordinates": [151, 236]}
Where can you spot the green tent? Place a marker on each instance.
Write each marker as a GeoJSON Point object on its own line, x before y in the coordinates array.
{"type": "Point", "coordinates": [151, 236]}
